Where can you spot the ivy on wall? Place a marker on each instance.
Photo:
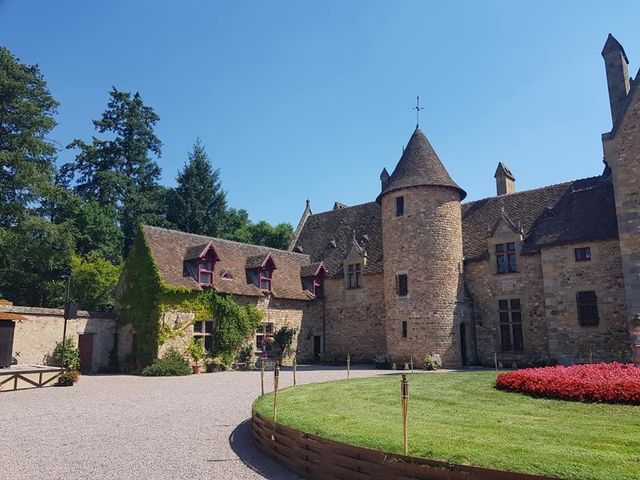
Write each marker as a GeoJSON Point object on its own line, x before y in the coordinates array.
{"type": "Point", "coordinates": [144, 297]}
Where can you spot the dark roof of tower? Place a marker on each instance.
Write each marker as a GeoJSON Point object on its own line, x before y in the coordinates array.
{"type": "Point", "coordinates": [613, 45]}
{"type": "Point", "coordinates": [572, 212]}
{"type": "Point", "coordinates": [419, 166]}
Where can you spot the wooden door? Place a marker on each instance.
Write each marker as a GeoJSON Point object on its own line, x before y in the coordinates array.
{"type": "Point", "coordinates": [85, 344]}
{"type": "Point", "coordinates": [317, 342]}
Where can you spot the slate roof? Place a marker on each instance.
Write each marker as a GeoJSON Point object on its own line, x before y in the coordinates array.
{"type": "Point", "coordinates": [310, 270]}
{"type": "Point", "coordinates": [419, 166]}
{"type": "Point", "coordinates": [169, 249]}
{"type": "Point", "coordinates": [571, 212]}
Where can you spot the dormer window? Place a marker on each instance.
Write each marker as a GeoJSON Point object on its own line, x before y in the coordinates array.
{"type": "Point", "coordinates": [354, 273]}
{"type": "Point", "coordinates": [313, 278]}
{"type": "Point", "coordinates": [205, 272]}
{"type": "Point", "coordinates": [260, 271]}
{"type": "Point", "coordinates": [199, 263]}
{"type": "Point", "coordinates": [265, 279]}
{"type": "Point", "coordinates": [506, 257]}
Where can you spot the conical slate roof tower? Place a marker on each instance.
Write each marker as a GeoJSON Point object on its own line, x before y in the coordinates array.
{"type": "Point", "coordinates": [422, 255]}
{"type": "Point", "coordinates": [419, 166]}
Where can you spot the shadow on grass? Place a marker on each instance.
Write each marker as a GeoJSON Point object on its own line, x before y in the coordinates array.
{"type": "Point", "coordinates": [243, 446]}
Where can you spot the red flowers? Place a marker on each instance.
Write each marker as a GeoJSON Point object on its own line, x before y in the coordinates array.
{"type": "Point", "coordinates": [601, 382]}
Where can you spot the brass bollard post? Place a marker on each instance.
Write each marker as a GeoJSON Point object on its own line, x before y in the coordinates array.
{"type": "Point", "coordinates": [404, 393]}
{"type": "Point", "coordinates": [294, 371]}
{"type": "Point", "coordinates": [348, 366]}
{"type": "Point", "coordinates": [495, 360]}
{"type": "Point", "coordinates": [262, 375]}
{"type": "Point", "coordinates": [276, 378]}
{"type": "Point", "coordinates": [411, 362]}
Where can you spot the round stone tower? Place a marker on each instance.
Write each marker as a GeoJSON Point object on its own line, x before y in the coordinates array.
{"type": "Point", "coordinates": [422, 249]}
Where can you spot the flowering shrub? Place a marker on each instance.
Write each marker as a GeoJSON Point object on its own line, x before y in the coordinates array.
{"type": "Point", "coordinates": [601, 382]}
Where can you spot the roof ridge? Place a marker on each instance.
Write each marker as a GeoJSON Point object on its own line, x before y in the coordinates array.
{"type": "Point", "coordinates": [506, 195]}
{"type": "Point", "coordinates": [218, 239]}
{"type": "Point", "coordinates": [342, 209]}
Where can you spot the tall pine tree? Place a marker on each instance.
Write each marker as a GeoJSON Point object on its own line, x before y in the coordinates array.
{"type": "Point", "coordinates": [26, 156]}
{"type": "Point", "coordinates": [122, 172]}
{"type": "Point", "coordinates": [198, 203]}
{"type": "Point", "coordinates": [34, 252]}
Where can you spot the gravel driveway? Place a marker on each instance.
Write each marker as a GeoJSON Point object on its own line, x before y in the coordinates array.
{"type": "Point", "coordinates": [126, 426]}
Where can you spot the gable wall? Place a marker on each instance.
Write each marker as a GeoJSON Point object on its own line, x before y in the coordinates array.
{"type": "Point", "coordinates": [623, 155]}
{"type": "Point", "coordinates": [569, 342]}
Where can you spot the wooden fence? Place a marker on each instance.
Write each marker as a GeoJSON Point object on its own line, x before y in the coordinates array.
{"type": "Point", "coordinates": [317, 458]}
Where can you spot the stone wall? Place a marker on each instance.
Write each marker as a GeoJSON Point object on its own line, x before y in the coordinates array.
{"type": "Point", "coordinates": [300, 314]}
{"type": "Point", "coordinates": [570, 342]}
{"type": "Point", "coordinates": [35, 337]}
{"type": "Point", "coordinates": [354, 320]}
{"type": "Point", "coordinates": [487, 287]}
{"type": "Point", "coordinates": [426, 244]}
{"type": "Point", "coordinates": [622, 153]}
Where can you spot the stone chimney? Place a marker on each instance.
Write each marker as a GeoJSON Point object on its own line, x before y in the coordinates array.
{"type": "Point", "coordinates": [505, 181]}
{"type": "Point", "coordinates": [384, 178]}
{"type": "Point", "coordinates": [616, 63]}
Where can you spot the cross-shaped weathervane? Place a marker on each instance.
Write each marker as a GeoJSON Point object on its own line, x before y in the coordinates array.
{"type": "Point", "coordinates": [417, 108]}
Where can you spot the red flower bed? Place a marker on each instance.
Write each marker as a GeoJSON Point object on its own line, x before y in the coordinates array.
{"type": "Point", "coordinates": [601, 382]}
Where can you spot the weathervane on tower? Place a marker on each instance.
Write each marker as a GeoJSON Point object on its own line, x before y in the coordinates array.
{"type": "Point", "coordinates": [417, 108]}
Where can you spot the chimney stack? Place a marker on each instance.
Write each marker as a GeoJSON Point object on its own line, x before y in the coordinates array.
{"type": "Point", "coordinates": [618, 81]}
{"type": "Point", "coordinates": [384, 178]}
{"type": "Point", "coordinates": [505, 181]}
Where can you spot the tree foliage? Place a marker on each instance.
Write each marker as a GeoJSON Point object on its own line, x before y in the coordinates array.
{"type": "Point", "coordinates": [93, 280]}
{"type": "Point", "coordinates": [26, 156]}
{"type": "Point", "coordinates": [122, 171]}
{"type": "Point", "coordinates": [198, 203]}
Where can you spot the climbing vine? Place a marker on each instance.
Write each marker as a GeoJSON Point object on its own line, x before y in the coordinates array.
{"type": "Point", "coordinates": [145, 298]}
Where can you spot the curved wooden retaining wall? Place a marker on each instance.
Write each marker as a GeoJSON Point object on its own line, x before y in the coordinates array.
{"type": "Point", "coordinates": [315, 457]}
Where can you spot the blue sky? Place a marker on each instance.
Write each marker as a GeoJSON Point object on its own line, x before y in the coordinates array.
{"type": "Point", "coordinates": [297, 100]}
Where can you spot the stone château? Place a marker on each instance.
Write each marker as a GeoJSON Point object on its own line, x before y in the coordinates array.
{"type": "Point", "coordinates": [532, 277]}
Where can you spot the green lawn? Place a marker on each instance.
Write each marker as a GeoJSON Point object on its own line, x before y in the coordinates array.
{"type": "Point", "coordinates": [461, 418]}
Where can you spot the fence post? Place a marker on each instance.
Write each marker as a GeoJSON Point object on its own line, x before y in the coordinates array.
{"type": "Point", "coordinates": [404, 394]}
{"type": "Point", "coordinates": [262, 375]}
{"type": "Point", "coordinates": [295, 363]}
{"type": "Point", "coordinates": [348, 366]}
{"type": "Point", "coordinates": [276, 378]}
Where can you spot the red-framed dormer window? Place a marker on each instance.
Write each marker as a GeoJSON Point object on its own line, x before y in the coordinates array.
{"type": "Point", "coordinates": [205, 272]}
{"type": "Point", "coordinates": [205, 258]}
{"type": "Point", "coordinates": [266, 277]}
{"type": "Point", "coordinates": [318, 287]}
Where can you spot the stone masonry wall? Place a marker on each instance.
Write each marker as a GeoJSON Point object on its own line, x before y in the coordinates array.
{"type": "Point", "coordinates": [354, 320]}
{"type": "Point", "coordinates": [623, 156]}
{"type": "Point", "coordinates": [36, 337]}
{"type": "Point", "coordinates": [563, 278]}
{"type": "Point", "coordinates": [487, 287]}
{"type": "Point", "coordinates": [303, 315]}
{"type": "Point", "coordinates": [426, 244]}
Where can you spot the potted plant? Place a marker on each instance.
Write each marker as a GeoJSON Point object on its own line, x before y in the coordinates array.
{"type": "Point", "coordinates": [382, 361]}
{"type": "Point", "coordinates": [196, 351]}
{"type": "Point", "coordinates": [432, 361]}
{"type": "Point", "coordinates": [68, 378]}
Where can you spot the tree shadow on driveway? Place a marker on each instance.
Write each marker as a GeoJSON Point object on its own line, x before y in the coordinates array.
{"type": "Point", "coordinates": [242, 444]}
